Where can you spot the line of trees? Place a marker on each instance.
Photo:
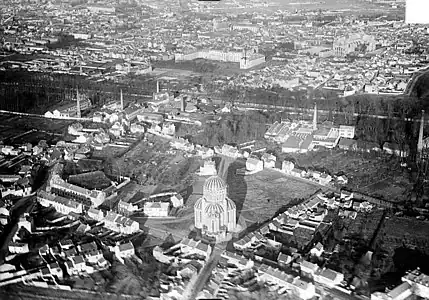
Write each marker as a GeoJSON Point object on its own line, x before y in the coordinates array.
{"type": "Point", "coordinates": [392, 106]}
{"type": "Point", "coordinates": [35, 92]}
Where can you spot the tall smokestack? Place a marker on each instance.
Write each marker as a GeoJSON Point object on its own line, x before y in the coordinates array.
{"type": "Point", "coordinates": [420, 141]}
{"type": "Point", "coordinates": [315, 116]}
{"type": "Point", "coordinates": [182, 104]}
{"type": "Point", "coordinates": [122, 101]}
{"type": "Point", "coordinates": [78, 104]}
{"type": "Point", "coordinates": [157, 86]}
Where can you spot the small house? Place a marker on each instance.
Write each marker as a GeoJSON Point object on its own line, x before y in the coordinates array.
{"type": "Point", "coordinates": [79, 264]}
{"type": "Point", "coordinates": [55, 270]}
{"type": "Point", "coordinates": [317, 250]}
{"type": "Point", "coordinates": [287, 166]}
{"type": "Point", "coordinates": [66, 244]}
{"type": "Point", "coordinates": [254, 164]}
{"type": "Point", "coordinates": [308, 268]}
{"type": "Point", "coordinates": [177, 200]}
{"type": "Point", "coordinates": [329, 277]}
{"type": "Point", "coordinates": [297, 172]}
{"type": "Point", "coordinates": [284, 259]}
{"type": "Point", "coordinates": [125, 250]}
{"type": "Point", "coordinates": [18, 248]}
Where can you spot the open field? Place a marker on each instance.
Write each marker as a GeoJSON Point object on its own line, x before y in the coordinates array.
{"type": "Point", "coordinates": [379, 175]}
{"type": "Point", "coordinates": [179, 73]}
{"type": "Point", "coordinates": [109, 151]}
{"type": "Point", "coordinates": [152, 163]}
{"type": "Point", "coordinates": [265, 193]}
{"type": "Point", "coordinates": [397, 244]}
{"type": "Point", "coordinates": [48, 129]}
{"type": "Point", "coordinates": [402, 245]}
{"type": "Point", "coordinates": [257, 197]}
{"type": "Point", "coordinates": [363, 226]}
{"type": "Point", "coordinates": [399, 231]}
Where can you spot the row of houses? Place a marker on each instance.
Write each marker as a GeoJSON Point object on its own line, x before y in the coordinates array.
{"type": "Point", "coordinates": [114, 221]}
{"type": "Point", "coordinates": [158, 205]}
{"type": "Point", "coordinates": [362, 146]}
{"type": "Point", "coordinates": [414, 284]}
{"type": "Point", "coordinates": [61, 204]}
{"type": "Point", "coordinates": [299, 285]}
{"type": "Point", "coordinates": [191, 246]}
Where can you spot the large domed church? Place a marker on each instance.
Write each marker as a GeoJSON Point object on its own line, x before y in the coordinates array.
{"type": "Point", "coordinates": [215, 213]}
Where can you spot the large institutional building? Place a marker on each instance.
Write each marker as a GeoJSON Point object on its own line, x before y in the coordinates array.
{"type": "Point", "coordinates": [246, 60]}
{"type": "Point", "coordinates": [302, 136]}
{"type": "Point", "coordinates": [347, 44]}
{"type": "Point", "coordinates": [58, 186]}
{"type": "Point", "coordinates": [215, 213]}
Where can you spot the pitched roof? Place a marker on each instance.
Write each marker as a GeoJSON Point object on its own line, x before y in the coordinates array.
{"type": "Point", "coordinates": [78, 259]}
{"type": "Point", "coordinates": [309, 265]}
{"type": "Point", "coordinates": [126, 247]}
{"type": "Point", "coordinates": [203, 247]}
{"type": "Point", "coordinates": [329, 274]}
{"type": "Point", "coordinates": [292, 142]}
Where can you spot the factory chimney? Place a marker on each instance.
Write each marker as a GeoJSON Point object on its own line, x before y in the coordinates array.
{"type": "Point", "coordinates": [420, 141]}
{"type": "Point", "coordinates": [315, 116]}
{"type": "Point", "coordinates": [157, 86]}
{"type": "Point", "coordinates": [122, 101]}
{"type": "Point", "coordinates": [182, 103]}
{"type": "Point", "coordinates": [78, 104]}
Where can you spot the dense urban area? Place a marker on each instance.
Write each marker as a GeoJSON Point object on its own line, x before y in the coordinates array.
{"type": "Point", "coordinates": [182, 150]}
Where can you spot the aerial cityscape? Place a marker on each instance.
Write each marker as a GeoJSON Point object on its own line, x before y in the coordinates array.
{"type": "Point", "coordinates": [230, 149]}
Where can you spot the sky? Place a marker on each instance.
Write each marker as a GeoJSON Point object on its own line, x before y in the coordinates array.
{"type": "Point", "coordinates": [417, 11]}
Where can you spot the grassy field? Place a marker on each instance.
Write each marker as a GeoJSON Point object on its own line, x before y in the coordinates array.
{"type": "Point", "coordinates": [109, 151]}
{"type": "Point", "coordinates": [151, 163]}
{"type": "Point", "coordinates": [48, 129]}
{"type": "Point", "coordinates": [266, 192]}
{"type": "Point", "coordinates": [375, 175]}
{"type": "Point", "coordinates": [399, 231]}
{"type": "Point", "coordinates": [258, 196]}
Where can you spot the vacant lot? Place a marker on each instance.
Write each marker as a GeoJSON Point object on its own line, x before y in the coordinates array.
{"type": "Point", "coordinates": [377, 175]}
{"type": "Point", "coordinates": [13, 126]}
{"type": "Point", "coordinates": [92, 180]}
{"type": "Point", "coordinates": [257, 197]}
{"type": "Point", "coordinates": [153, 162]}
{"type": "Point", "coordinates": [399, 231]}
{"type": "Point", "coordinates": [109, 151]}
{"type": "Point", "coordinates": [266, 192]}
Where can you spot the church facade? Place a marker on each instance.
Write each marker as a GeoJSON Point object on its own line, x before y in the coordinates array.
{"type": "Point", "coordinates": [215, 213]}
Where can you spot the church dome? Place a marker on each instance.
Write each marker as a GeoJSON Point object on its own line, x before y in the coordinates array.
{"type": "Point", "coordinates": [199, 204]}
{"type": "Point", "coordinates": [230, 205]}
{"type": "Point", "coordinates": [214, 209]}
{"type": "Point", "coordinates": [214, 184]}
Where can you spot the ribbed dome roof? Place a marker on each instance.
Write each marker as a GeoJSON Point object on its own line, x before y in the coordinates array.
{"type": "Point", "coordinates": [230, 204]}
{"type": "Point", "coordinates": [214, 184]}
{"type": "Point", "coordinates": [214, 209]}
{"type": "Point", "coordinates": [199, 204]}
